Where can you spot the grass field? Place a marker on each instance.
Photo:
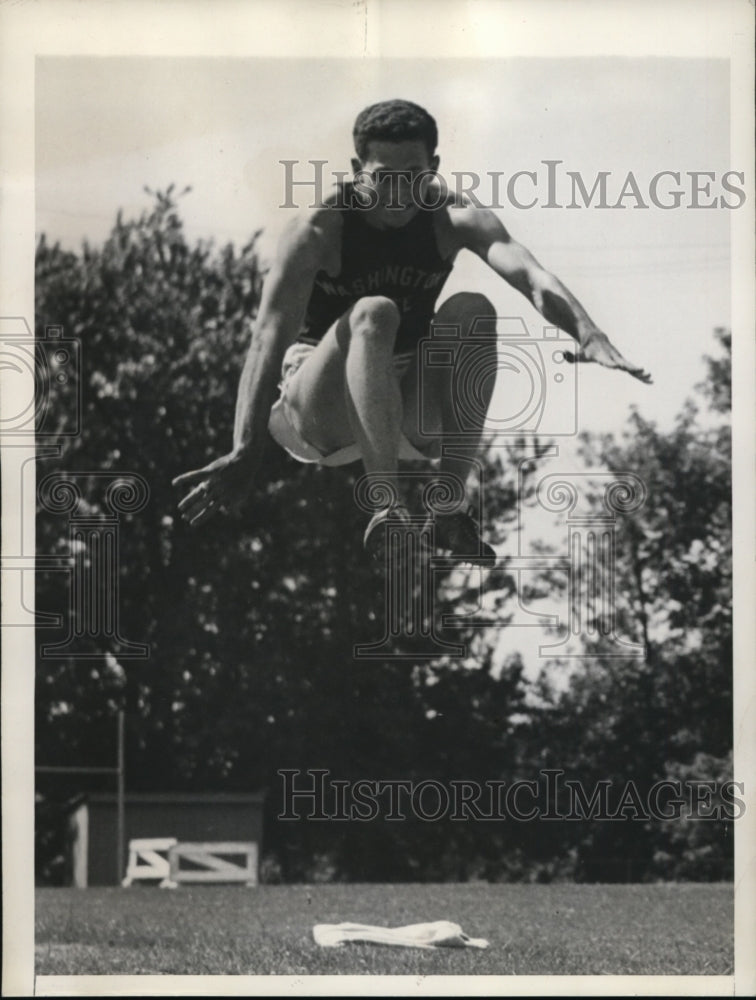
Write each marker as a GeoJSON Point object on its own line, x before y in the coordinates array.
{"type": "Point", "coordinates": [533, 930]}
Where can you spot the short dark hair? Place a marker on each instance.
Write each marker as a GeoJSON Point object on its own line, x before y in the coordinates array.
{"type": "Point", "coordinates": [394, 121]}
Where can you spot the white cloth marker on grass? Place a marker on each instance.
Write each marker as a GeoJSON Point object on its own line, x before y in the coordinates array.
{"type": "Point", "coordinates": [437, 934]}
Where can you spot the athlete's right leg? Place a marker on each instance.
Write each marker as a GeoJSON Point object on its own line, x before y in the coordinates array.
{"type": "Point", "coordinates": [347, 390]}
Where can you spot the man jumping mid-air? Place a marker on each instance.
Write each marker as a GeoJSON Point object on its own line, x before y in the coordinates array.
{"type": "Point", "coordinates": [351, 293]}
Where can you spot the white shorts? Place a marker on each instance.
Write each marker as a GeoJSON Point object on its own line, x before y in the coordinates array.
{"type": "Point", "coordinates": [283, 431]}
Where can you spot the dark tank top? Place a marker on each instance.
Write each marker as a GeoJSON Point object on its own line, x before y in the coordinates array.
{"type": "Point", "coordinates": [403, 265]}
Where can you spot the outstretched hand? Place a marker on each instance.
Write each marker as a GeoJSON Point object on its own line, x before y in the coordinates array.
{"type": "Point", "coordinates": [600, 350]}
{"type": "Point", "coordinates": [219, 486]}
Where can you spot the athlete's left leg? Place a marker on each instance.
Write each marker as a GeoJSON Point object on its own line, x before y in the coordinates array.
{"type": "Point", "coordinates": [454, 408]}
{"type": "Point", "coordinates": [454, 404]}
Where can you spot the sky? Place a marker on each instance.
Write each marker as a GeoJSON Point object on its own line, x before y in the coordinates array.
{"type": "Point", "coordinates": [656, 281]}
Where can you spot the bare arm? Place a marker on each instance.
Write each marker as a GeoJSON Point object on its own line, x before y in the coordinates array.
{"type": "Point", "coordinates": [284, 301]}
{"type": "Point", "coordinates": [282, 308]}
{"type": "Point", "coordinates": [483, 233]}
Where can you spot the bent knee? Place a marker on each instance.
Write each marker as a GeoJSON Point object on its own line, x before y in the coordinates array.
{"type": "Point", "coordinates": [472, 310]}
{"type": "Point", "coordinates": [375, 312]}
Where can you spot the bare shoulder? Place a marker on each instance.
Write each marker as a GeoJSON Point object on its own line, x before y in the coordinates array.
{"type": "Point", "coordinates": [311, 239]}
{"type": "Point", "coordinates": [448, 236]}
{"type": "Point", "coordinates": [463, 225]}
{"type": "Point", "coordinates": [476, 228]}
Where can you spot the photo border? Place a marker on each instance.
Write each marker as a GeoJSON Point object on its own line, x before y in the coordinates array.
{"type": "Point", "coordinates": [369, 29]}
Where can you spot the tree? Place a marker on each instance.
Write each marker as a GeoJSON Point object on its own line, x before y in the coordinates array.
{"type": "Point", "coordinates": [670, 716]}
{"type": "Point", "coordinates": [251, 622]}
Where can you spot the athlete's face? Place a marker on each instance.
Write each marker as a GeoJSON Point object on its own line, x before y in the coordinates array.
{"type": "Point", "coordinates": [392, 179]}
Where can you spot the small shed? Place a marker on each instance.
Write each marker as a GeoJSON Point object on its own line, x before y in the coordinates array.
{"type": "Point", "coordinates": [212, 816]}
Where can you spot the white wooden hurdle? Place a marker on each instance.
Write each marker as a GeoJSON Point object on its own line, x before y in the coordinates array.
{"type": "Point", "coordinates": [212, 863]}
{"type": "Point", "coordinates": [148, 859]}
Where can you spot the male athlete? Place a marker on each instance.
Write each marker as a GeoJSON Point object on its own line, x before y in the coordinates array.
{"type": "Point", "coordinates": [351, 292]}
